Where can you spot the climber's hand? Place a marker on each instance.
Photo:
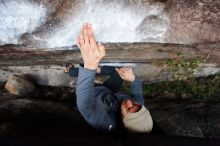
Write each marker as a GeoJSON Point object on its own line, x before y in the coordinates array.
{"type": "Point", "coordinates": [126, 74]}
{"type": "Point", "coordinates": [92, 53]}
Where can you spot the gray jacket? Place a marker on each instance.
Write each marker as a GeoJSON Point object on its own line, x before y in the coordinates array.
{"type": "Point", "coordinates": [99, 106]}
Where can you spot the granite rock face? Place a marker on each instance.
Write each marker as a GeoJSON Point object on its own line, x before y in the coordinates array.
{"type": "Point", "coordinates": [57, 23]}
{"type": "Point", "coordinates": [193, 21]}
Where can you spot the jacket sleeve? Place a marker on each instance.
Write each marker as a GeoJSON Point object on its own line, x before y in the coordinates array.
{"type": "Point", "coordinates": [85, 93]}
{"type": "Point", "coordinates": [136, 90]}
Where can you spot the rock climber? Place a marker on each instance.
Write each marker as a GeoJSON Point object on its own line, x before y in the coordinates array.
{"type": "Point", "coordinates": [101, 105]}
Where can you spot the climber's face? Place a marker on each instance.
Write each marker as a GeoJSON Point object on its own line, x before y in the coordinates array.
{"type": "Point", "coordinates": [129, 106]}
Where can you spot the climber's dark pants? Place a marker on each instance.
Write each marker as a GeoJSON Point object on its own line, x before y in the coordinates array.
{"type": "Point", "coordinates": [114, 83]}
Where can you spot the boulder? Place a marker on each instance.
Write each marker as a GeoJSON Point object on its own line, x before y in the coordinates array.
{"type": "Point", "coordinates": [19, 85]}
{"type": "Point", "coordinates": [34, 118]}
{"type": "Point", "coordinates": [186, 117]}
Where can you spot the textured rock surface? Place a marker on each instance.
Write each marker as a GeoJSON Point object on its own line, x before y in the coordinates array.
{"type": "Point", "coordinates": [18, 85]}
{"type": "Point", "coordinates": [56, 23]}
{"type": "Point", "coordinates": [149, 61]}
{"type": "Point", "coordinates": [118, 52]}
{"type": "Point", "coordinates": [54, 75]}
{"type": "Point", "coordinates": [186, 117]}
{"type": "Point", "coordinates": [193, 21]}
{"type": "Point", "coordinates": [43, 75]}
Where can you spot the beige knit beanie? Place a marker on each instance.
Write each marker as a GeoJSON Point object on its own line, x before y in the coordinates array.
{"type": "Point", "coordinates": [139, 122]}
